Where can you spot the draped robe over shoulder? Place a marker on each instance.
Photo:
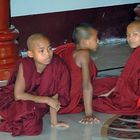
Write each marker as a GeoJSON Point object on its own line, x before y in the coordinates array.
{"type": "Point", "coordinates": [25, 117]}
{"type": "Point", "coordinates": [76, 92]}
{"type": "Point", "coordinates": [126, 96]}
{"type": "Point", "coordinates": [76, 103]}
{"type": "Point", "coordinates": [124, 100]}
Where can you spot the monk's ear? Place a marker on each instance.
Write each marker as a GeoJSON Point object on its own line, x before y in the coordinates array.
{"type": "Point", "coordinates": [30, 53]}
{"type": "Point", "coordinates": [85, 42]}
{"type": "Point", "coordinates": [82, 42]}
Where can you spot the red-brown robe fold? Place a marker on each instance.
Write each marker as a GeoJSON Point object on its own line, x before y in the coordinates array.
{"type": "Point", "coordinates": [122, 101]}
{"type": "Point", "coordinates": [25, 117]}
{"type": "Point", "coordinates": [76, 93]}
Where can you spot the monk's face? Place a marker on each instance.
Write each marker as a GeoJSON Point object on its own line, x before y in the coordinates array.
{"type": "Point", "coordinates": [92, 42]}
{"type": "Point", "coordinates": [41, 51]}
{"type": "Point", "coordinates": [133, 35]}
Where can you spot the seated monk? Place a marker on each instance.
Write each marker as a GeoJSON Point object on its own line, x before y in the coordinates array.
{"type": "Point", "coordinates": [124, 98]}
{"type": "Point", "coordinates": [38, 83]}
{"type": "Point", "coordinates": [83, 71]}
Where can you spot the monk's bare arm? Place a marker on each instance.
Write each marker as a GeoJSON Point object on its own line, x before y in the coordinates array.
{"type": "Point", "coordinates": [19, 91]}
{"type": "Point", "coordinates": [83, 58]}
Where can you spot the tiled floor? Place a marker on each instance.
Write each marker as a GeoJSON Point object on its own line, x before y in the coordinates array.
{"type": "Point", "coordinates": [108, 57]}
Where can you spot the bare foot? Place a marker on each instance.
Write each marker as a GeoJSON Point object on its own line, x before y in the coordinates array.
{"type": "Point", "coordinates": [89, 120]}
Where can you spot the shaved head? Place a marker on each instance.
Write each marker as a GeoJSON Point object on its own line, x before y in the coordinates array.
{"type": "Point", "coordinates": [133, 34]}
{"type": "Point", "coordinates": [35, 37]}
{"type": "Point", "coordinates": [134, 24]}
{"type": "Point", "coordinates": [82, 31]}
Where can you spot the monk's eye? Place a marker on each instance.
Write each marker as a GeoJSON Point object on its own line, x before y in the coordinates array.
{"type": "Point", "coordinates": [50, 48]}
{"type": "Point", "coordinates": [41, 50]}
{"type": "Point", "coordinates": [136, 33]}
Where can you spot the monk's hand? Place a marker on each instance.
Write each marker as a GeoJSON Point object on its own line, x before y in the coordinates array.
{"type": "Point", "coordinates": [105, 94]}
{"type": "Point", "coordinates": [89, 120]}
{"type": "Point", "coordinates": [54, 103]}
{"type": "Point", "coordinates": [58, 106]}
{"type": "Point", "coordinates": [60, 124]}
{"type": "Point", "coordinates": [108, 93]}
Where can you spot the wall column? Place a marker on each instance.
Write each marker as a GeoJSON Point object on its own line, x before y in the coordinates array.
{"type": "Point", "coordinates": [8, 42]}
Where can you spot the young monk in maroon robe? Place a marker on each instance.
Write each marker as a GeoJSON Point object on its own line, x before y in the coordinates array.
{"type": "Point", "coordinates": [39, 82]}
{"type": "Point", "coordinates": [124, 98]}
{"type": "Point", "coordinates": [82, 69]}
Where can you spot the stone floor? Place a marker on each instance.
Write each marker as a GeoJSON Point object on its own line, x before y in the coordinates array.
{"type": "Point", "coordinates": [111, 127]}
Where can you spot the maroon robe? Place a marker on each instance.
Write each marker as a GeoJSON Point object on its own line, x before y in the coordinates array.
{"type": "Point", "coordinates": [126, 96]}
{"type": "Point", "coordinates": [76, 93]}
{"type": "Point", "coordinates": [124, 100]}
{"type": "Point", "coordinates": [25, 117]}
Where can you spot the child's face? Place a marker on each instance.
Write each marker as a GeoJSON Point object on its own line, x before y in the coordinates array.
{"type": "Point", "coordinates": [41, 51]}
{"type": "Point", "coordinates": [133, 35]}
{"type": "Point", "coordinates": [93, 41]}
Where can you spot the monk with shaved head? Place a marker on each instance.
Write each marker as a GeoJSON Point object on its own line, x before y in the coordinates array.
{"type": "Point", "coordinates": [82, 69]}
{"type": "Point", "coordinates": [38, 83]}
{"type": "Point", "coordinates": [124, 98]}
